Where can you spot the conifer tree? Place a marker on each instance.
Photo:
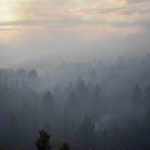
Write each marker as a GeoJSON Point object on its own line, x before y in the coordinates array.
{"type": "Point", "coordinates": [65, 146]}
{"type": "Point", "coordinates": [42, 143]}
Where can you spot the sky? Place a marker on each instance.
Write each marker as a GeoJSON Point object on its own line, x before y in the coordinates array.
{"type": "Point", "coordinates": [34, 28]}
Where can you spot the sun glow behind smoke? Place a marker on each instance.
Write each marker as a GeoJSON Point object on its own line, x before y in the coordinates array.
{"type": "Point", "coordinates": [8, 10]}
{"type": "Point", "coordinates": [33, 28]}
{"type": "Point", "coordinates": [44, 18]}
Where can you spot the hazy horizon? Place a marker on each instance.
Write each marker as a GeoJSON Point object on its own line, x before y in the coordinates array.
{"type": "Point", "coordinates": [32, 29]}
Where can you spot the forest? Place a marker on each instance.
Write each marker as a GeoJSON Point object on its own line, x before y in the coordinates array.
{"type": "Point", "coordinates": [91, 105]}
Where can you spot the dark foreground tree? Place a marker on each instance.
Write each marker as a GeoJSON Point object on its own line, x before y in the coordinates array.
{"type": "Point", "coordinates": [42, 143]}
{"type": "Point", "coordinates": [65, 146]}
{"type": "Point", "coordinates": [1, 148]}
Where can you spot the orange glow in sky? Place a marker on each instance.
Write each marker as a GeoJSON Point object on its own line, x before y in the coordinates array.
{"type": "Point", "coordinates": [20, 17]}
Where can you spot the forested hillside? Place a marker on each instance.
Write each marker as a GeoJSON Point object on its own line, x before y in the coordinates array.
{"type": "Point", "coordinates": [90, 105]}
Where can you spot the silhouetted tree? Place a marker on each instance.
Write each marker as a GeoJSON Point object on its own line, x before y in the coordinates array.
{"type": "Point", "coordinates": [42, 143]}
{"type": "Point", "coordinates": [93, 77]}
{"type": "Point", "coordinates": [47, 106]}
{"type": "Point", "coordinates": [85, 136]}
{"type": "Point", "coordinates": [13, 124]}
{"type": "Point", "coordinates": [81, 86]}
{"type": "Point", "coordinates": [72, 108]}
{"type": "Point", "coordinates": [97, 104]}
{"type": "Point", "coordinates": [33, 74]}
{"type": "Point", "coordinates": [137, 93]}
{"type": "Point", "coordinates": [65, 146]}
{"type": "Point", "coordinates": [47, 101]}
{"type": "Point", "coordinates": [147, 93]}
{"type": "Point", "coordinates": [1, 148]}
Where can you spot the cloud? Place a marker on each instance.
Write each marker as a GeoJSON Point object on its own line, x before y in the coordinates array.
{"type": "Point", "coordinates": [137, 1]}
{"type": "Point", "coordinates": [134, 16]}
{"type": "Point", "coordinates": [125, 10]}
{"type": "Point", "coordinates": [49, 17]}
{"type": "Point", "coordinates": [23, 23]}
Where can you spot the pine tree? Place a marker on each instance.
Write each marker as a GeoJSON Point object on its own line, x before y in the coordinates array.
{"type": "Point", "coordinates": [65, 146]}
{"type": "Point", "coordinates": [85, 136]}
{"type": "Point", "coordinates": [1, 148]}
{"type": "Point", "coordinates": [137, 93]}
{"type": "Point", "coordinates": [47, 101]}
{"type": "Point", "coordinates": [47, 105]}
{"type": "Point", "coordinates": [42, 143]}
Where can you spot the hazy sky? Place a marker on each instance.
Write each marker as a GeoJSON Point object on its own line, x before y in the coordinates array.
{"type": "Point", "coordinates": [30, 28]}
